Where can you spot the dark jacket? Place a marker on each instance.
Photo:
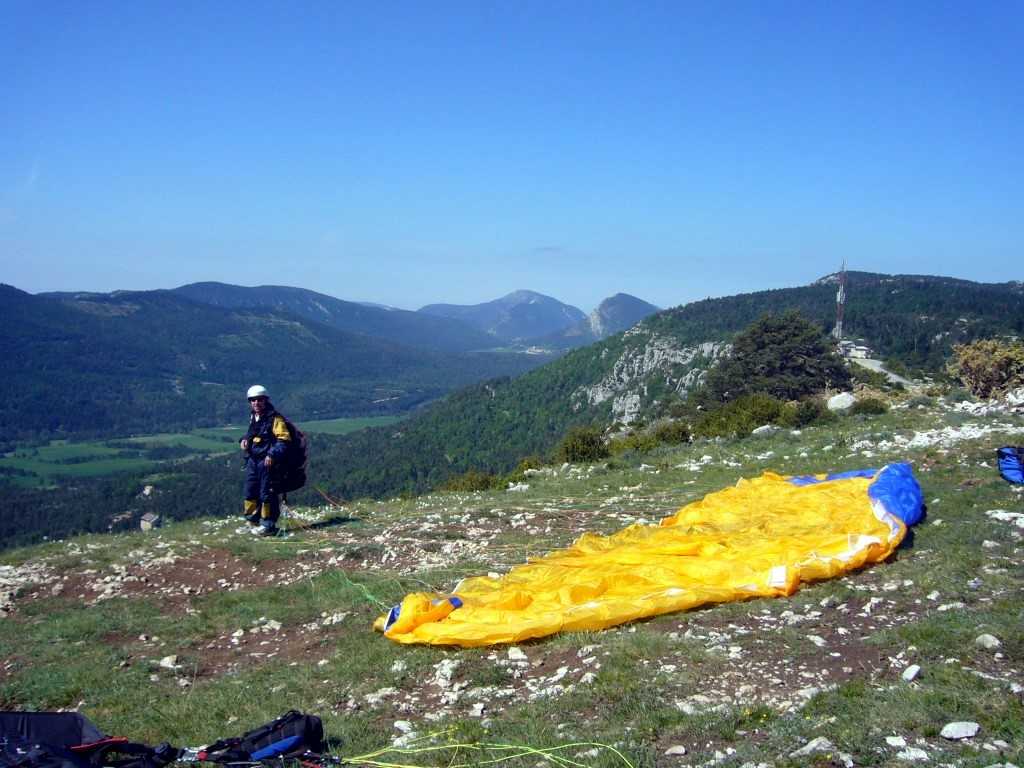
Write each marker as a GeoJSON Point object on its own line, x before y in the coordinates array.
{"type": "Point", "coordinates": [268, 435]}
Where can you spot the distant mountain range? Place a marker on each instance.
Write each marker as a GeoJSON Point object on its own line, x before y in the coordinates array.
{"type": "Point", "coordinates": [412, 329]}
{"type": "Point", "coordinates": [614, 315]}
{"type": "Point", "coordinates": [519, 316]}
{"type": "Point", "coordinates": [139, 361]}
{"type": "Point", "coordinates": [156, 360]}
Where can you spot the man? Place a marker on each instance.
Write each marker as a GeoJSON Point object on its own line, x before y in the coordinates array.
{"type": "Point", "coordinates": [264, 444]}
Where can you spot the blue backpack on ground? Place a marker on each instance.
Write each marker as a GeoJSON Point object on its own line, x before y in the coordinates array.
{"type": "Point", "coordinates": [1011, 466]}
{"type": "Point", "coordinates": [291, 735]}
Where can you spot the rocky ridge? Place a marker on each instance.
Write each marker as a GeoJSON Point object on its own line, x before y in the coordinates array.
{"type": "Point", "coordinates": [648, 355]}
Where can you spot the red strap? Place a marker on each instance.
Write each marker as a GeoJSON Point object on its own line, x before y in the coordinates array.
{"type": "Point", "coordinates": [101, 743]}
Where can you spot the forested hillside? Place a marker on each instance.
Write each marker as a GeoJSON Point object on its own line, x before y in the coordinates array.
{"type": "Point", "coordinates": [413, 329]}
{"type": "Point", "coordinates": [913, 318]}
{"type": "Point", "coordinates": [491, 426]}
{"type": "Point", "coordinates": [152, 361]}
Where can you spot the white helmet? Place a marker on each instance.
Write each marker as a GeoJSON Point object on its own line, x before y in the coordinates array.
{"type": "Point", "coordinates": [257, 390]}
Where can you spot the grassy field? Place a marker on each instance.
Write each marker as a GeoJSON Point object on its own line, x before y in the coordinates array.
{"type": "Point", "coordinates": [256, 627]}
{"type": "Point", "coordinates": [61, 458]}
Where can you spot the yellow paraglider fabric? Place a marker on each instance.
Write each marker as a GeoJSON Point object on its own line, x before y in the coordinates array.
{"type": "Point", "coordinates": [762, 537]}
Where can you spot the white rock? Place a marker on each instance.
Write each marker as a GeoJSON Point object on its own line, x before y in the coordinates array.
{"type": "Point", "coordinates": [169, 662]}
{"type": "Point", "coordinates": [988, 642]}
{"type": "Point", "coordinates": [518, 487]}
{"type": "Point", "coordinates": [676, 749]}
{"type": "Point", "coordinates": [820, 744]}
{"type": "Point", "coordinates": [910, 673]}
{"type": "Point", "coordinates": [403, 726]}
{"type": "Point", "coordinates": [515, 654]}
{"type": "Point", "coordinates": [841, 402]}
{"type": "Point", "coordinates": [912, 754]}
{"type": "Point", "coordinates": [959, 730]}
{"type": "Point", "coordinates": [443, 672]}
{"type": "Point", "coordinates": [895, 741]}
{"type": "Point", "coordinates": [377, 696]}
{"type": "Point", "coordinates": [477, 710]}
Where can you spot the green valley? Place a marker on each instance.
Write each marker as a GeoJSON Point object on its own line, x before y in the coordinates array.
{"type": "Point", "coordinates": [41, 465]}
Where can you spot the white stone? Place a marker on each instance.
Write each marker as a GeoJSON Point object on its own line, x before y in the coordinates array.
{"type": "Point", "coordinates": [443, 672]}
{"type": "Point", "coordinates": [912, 754]}
{"type": "Point", "coordinates": [676, 749]}
{"type": "Point", "coordinates": [820, 744]}
{"type": "Point", "coordinates": [910, 673]}
{"type": "Point", "coordinates": [895, 741]}
{"type": "Point", "coordinates": [959, 730]}
{"type": "Point", "coordinates": [765, 429]}
{"type": "Point", "coordinates": [841, 402]}
{"type": "Point", "coordinates": [515, 654]}
{"type": "Point", "coordinates": [377, 696]}
{"type": "Point", "coordinates": [988, 642]}
{"type": "Point", "coordinates": [169, 662]}
{"type": "Point", "coordinates": [404, 726]}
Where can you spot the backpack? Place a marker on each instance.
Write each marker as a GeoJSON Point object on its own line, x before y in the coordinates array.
{"type": "Point", "coordinates": [70, 740]}
{"type": "Point", "coordinates": [291, 735]}
{"type": "Point", "coordinates": [292, 471]}
{"type": "Point", "coordinates": [1011, 463]}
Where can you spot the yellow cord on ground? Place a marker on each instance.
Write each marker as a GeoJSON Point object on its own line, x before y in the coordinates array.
{"type": "Point", "coordinates": [515, 751]}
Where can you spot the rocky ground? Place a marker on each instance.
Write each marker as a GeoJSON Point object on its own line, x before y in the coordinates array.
{"type": "Point", "coordinates": [772, 654]}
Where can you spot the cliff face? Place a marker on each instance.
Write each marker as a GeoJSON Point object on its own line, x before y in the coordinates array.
{"type": "Point", "coordinates": [650, 358]}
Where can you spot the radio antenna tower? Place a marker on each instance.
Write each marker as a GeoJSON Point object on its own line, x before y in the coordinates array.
{"type": "Point", "coordinates": [837, 332]}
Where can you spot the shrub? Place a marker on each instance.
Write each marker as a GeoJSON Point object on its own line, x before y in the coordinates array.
{"type": "Point", "coordinates": [581, 444]}
{"type": "Point", "coordinates": [530, 462]}
{"type": "Point", "coordinates": [918, 400]}
{"type": "Point", "coordinates": [859, 373]}
{"type": "Point", "coordinates": [804, 413]}
{"type": "Point", "coordinates": [472, 480]}
{"type": "Point", "coordinates": [672, 432]}
{"type": "Point", "coordinates": [640, 442]}
{"type": "Point", "coordinates": [740, 417]}
{"type": "Point", "coordinates": [869, 406]}
{"type": "Point", "coordinates": [785, 356]}
{"type": "Point", "coordinates": [958, 395]}
{"type": "Point", "coordinates": [989, 367]}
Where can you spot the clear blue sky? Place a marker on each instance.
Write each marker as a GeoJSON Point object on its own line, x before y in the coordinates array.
{"type": "Point", "coordinates": [409, 153]}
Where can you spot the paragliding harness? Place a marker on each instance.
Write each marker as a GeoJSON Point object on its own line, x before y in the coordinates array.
{"type": "Point", "coordinates": [70, 740]}
{"type": "Point", "coordinates": [292, 475]}
{"type": "Point", "coordinates": [1011, 463]}
{"type": "Point", "coordinates": [291, 736]}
